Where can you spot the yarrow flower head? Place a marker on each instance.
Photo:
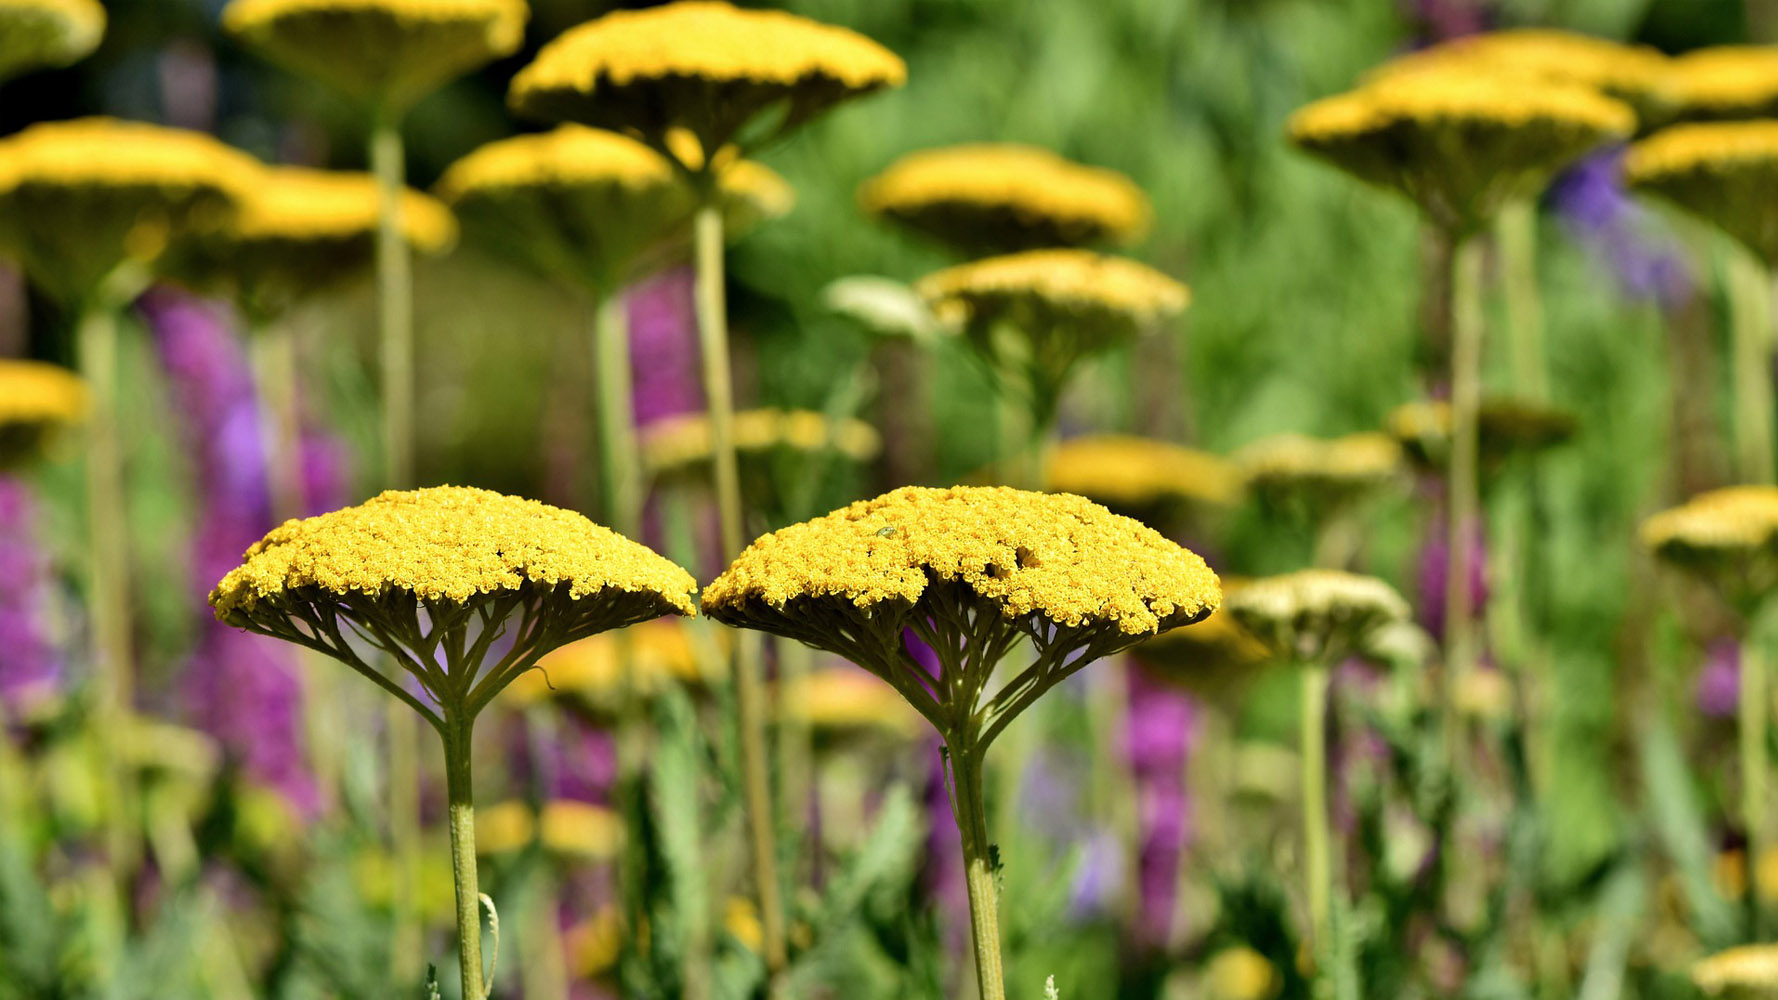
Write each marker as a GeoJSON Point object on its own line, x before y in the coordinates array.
{"type": "Point", "coordinates": [1505, 428]}
{"type": "Point", "coordinates": [996, 198]}
{"type": "Point", "coordinates": [35, 34]}
{"type": "Point", "coordinates": [1216, 660]}
{"type": "Point", "coordinates": [594, 207]}
{"type": "Point", "coordinates": [1747, 972]}
{"type": "Point", "coordinates": [969, 570]}
{"type": "Point", "coordinates": [1721, 172]}
{"type": "Point", "coordinates": [567, 828]}
{"type": "Point", "coordinates": [701, 65]}
{"type": "Point", "coordinates": [80, 198]}
{"type": "Point", "coordinates": [681, 444]}
{"type": "Point", "coordinates": [434, 577]}
{"type": "Point", "coordinates": [1141, 477]}
{"type": "Point", "coordinates": [299, 232]}
{"type": "Point", "coordinates": [1634, 74]}
{"type": "Point", "coordinates": [1317, 616]}
{"type": "Point", "coordinates": [1728, 537]}
{"type": "Point", "coordinates": [843, 702]}
{"type": "Point", "coordinates": [1460, 142]}
{"type": "Point", "coordinates": [36, 400]}
{"type": "Point", "coordinates": [1044, 310]}
{"type": "Point", "coordinates": [1316, 475]}
{"type": "Point", "coordinates": [389, 53]}
{"type": "Point", "coordinates": [1724, 83]}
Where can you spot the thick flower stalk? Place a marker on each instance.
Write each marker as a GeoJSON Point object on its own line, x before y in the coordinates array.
{"type": "Point", "coordinates": [38, 34]}
{"type": "Point", "coordinates": [1034, 316]}
{"type": "Point", "coordinates": [434, 580]}
{"type": "Point", "coordinates": [1315, 619]}
{"type": "Point", "coordinates": [1728, 539]}
{"type": "Point", "coordinates": [703, 82]}
{"type": "Point", "coordinates": [972, 573]}
{"type": "Point", "coordinates": [982, 199]}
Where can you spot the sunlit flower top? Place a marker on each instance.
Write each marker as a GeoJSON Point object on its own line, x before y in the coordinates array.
{"type": "Point", "coordinates": [682, 442]}
{"type": "Point", "coordinates": [42, 33]}
{"type": "Point", "coordinates": [1288, 466]}
{"type": "Point", "coordinates": [985, 198]}
{"type": "Point", "coordinates": [594, 206]}
{"type": "Point", "coordinates": [1128, 473]}
{"type": "Point", "coordinates": [1504, 427]}
{"type": "Point", "coordinates": [1317, 614]}
{"type": "Point", "coordinates": [702, 65]}
{"type": "Point", "coordinates": [387, 52]}
{"type": "Point", "coordinates": [78, 198]}
{"type": "Point", "coordinates": [1460, 141]}
{"type": "Point", "coordinates": [1062, 558]}
{"type": "Point", "coordinates": [595, 671]}
{"type": "Point", "coordinates": [448, 544]}
{"type": "Point", "coordinates": [1635, 74]}
{"type": "Point", "coordinates": [1722, 172]}
{"type": "Point", "coordinates": [1729, 521]}
{"type": "Point", "coordinates": [844, 700]}
{"type": "Point", "coordinates": [1725, 82]}
{"type": "Point", "coordinates": [299, 231]}
{"type": "Point", "coordinates": [1746, 970]}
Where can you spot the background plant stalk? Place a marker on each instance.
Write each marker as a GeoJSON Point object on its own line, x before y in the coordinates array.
{"type": "Point", "coordinates": [1461, 504]}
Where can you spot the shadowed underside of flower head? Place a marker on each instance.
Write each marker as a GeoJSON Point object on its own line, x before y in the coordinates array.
{"type": "Point", "coordinates": [970, 571]}
{"type": "Point", "coordinates": [1726, 537]}
{"type": "Point", "coordinates": [36, 399]}
{"type": "Point", "coordinates": [441, 579]}
{"type": "Point", "coordinates": [1721, 172]}
{"type": "Point", "coordinates": [701, 65]}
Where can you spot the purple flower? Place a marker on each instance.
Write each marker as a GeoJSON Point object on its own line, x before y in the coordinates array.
{"type": "Point", "coordinates": [1591, 202]}
{"type": "Point", "coordinates": [1161, 729]}
{"type": "Point", "coordinates": [1718, 690]}
{"type": "Point", "coordinates": [240, 688]}
{"type": "Point", "coordinates": [30, 665]}
{"type": "Point", "coordinates": [664, 347]}
{"type": "Point", "coordinates": [1435, 565]}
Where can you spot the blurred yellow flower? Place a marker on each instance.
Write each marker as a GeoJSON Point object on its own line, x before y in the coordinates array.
{"type": "Point", "coordinates": [595, 943]}
{"type": "Point", "coordinates": [699, 65]}
{"type": "Point", "coordinates": [741, 919]}
{"type": "Point", "coordinates": [36, 398]}
{"type": "Point", "coordinates": [79, 198]}
{"type": "Point", "coordinates": [681, 444]}
{"type": "Point", "coordinates": [580, 829]}
{"type": "Point", "coordinates": [1728, 537]}
{"type": "Point", "coordinates": [1316, 615]}
{"type": "Point", "coordinates": [36, 34]}
{"type": "Point", "coordinates": [988, 198]}
{"type": "Point", "coordinates": [1289, 469]}
{"type": "Point", "coordinates": [1749, 971]}
{"type": "Point", "coordinates": [1635, 74]}
{"type": "Point", "coordinates": [594, 207]}
{"type": "Point", "coordinates": [591, 670]}
{"type": "Point", "coordinates": [1504, 428]}
{"type": "Point", "coordinates": [1725, 82]}
{"type": "Point", "coordinates": [1240, 973]}
{"type": "Point", "coordinates": [1131, 474]}
{"type": "Point", "coordinates": [1216, 660]}
{"type": "Point", "coordinates": [505, 827]}
{"type": "Point", "coordinates": [845, 700]}
{"type": "Point", "coordinates": [1721, 172]}
{"type": "Point", "coordinates": [1460, 141]}
{"type": "Point", "coordinates": [389, 53]}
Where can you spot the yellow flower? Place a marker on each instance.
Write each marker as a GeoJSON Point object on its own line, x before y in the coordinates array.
{"type": "Point", "coordinates": [1135, 474]}
{"type": "Point", "coordinates": [36, 399]}
{"type": "Point", "coordinates": [845, 700]}
{"type": "Point", "coordinates": [594, 207]}
{"type": "Point", "coordinates": [741, 919]}
{"type": "Point", "coordinates": [988, 198]}
{"type": "Point", "coordinates": [580, 829]}
{"type": "Point", "coordinates": [681, 444]}
{"type": "Point", "coordinates": [595, 944]}
{"type": "Point", "coordinates": [1721, 172]}
{"type": "Point", "coordinates": [434, 576]}
{"type": "Point", "coordinates": [1317, 615]}
{"type": "Point", "coordinates": [79, 198]}
{"type": "Point", "coordinates": [592, 671]}
{"type": "Point", "coordinates": [1240, 973]}
{"type": "Point", "coordinates": [505, 827]}
{"type": "Point", "coordinates": [1728, 537]}
{"type": "Point", "coordinates": [1504, 428]}
{"type": "Point", "coordinates": [1044, 310]}
{"type": "Point", "coordinates": [1460, 141]}
{"type": "Point", "coordinates": [1634, 74]}
{"type": "Point", "coordinates": [41, 33]}
{"type": "Point", "coordinates": [300, 231]}
{"type": "Point", "coordinates": [1725, 82]}
{"type": "Point", "coordinates": [1290, 470]}
{"type": "Point", "coordinates": [386, 52]}
{"type": "Point", "coordinates": [1216, 660]}
{"type": "Point", "coordinates": [704, 66]}
{"type": "Point", "coordinates": [1750, 970]}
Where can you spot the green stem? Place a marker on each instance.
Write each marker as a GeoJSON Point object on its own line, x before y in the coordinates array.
{"type": "Point", "coordinates": [395, 305]}
{"type": "Point", "coordinates": [1461, 501]}
{"type": "Point", "coordinates": [461, 796]}
{"type": "Point", "coordinates": [982, 878]}
{"type": "Point", "coordinates": [1317, 865]}
{"type": "Point", "coordinates": [1752, 731]}
{"type": "Point", "coordinates": [619, 451]}
{"type": "Point", "coordinates": [405, 836]}
{"type": "Point", "coordinates": [712, 312]}
{"type": "Point", "coordinates": [108, 550]}
{"type": "Point", "coordinates": [1750, 295]}
{"type": "Point", "coordinates": [1515, 233]}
